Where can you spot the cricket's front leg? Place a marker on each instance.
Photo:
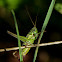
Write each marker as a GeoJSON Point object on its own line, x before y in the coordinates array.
{"type": "Point", "coordinates": [16, 55]}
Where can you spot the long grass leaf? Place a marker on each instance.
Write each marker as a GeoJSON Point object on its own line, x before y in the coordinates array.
{"type": "Point", "coordinates": [44, 26]}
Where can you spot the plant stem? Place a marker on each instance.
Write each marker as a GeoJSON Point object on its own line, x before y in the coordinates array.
{"type": "Point", "coordinates": [19, 43]}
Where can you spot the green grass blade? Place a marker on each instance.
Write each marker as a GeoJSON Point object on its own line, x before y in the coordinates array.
{"type": "Point", "coordinates": [19, 43]}
{"type": "Point", "coordinates": [44, 26]}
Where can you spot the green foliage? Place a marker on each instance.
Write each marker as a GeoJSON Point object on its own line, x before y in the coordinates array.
{"type": "Point", "coordinates": [58, 7]}
{"type": "Point", "coordinates": [10, 4]}
{"type": "Point", "coordinates": [1, 3]}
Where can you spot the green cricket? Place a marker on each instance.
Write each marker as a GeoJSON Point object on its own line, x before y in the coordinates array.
{"type": "Point", "coordinates": [30, 37]}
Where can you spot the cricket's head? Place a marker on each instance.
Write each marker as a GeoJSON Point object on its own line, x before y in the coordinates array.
{"type": "Point", "coordinates": [34, 32]}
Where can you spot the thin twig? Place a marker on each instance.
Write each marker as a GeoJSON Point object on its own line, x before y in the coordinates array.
{"type": "Point", "coordinates": [34, 45]}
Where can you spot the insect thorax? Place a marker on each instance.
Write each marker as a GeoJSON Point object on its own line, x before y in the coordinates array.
{"type": "Point", "coordinates": [33, 34]}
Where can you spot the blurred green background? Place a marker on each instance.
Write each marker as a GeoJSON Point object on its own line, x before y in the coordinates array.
{"type": "Point", "coordinates": [37, 8]}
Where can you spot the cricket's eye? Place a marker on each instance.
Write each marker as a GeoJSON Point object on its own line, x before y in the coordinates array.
{"type": "Point", "coordinates": [33, 34]}
{"type": "Point", "coordinates": [34, 29]}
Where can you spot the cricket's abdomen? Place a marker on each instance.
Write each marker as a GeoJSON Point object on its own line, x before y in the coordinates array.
{"type": "Point", "coordinates": [25, 51]}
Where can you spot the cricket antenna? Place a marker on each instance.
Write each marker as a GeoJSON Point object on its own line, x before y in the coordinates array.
{"type": "Point", "coordinates": [36, 17]}
{"type": "Point", "coordinates": [35, 20]}
{"type": "Point", "coordinates": [29, 16]}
